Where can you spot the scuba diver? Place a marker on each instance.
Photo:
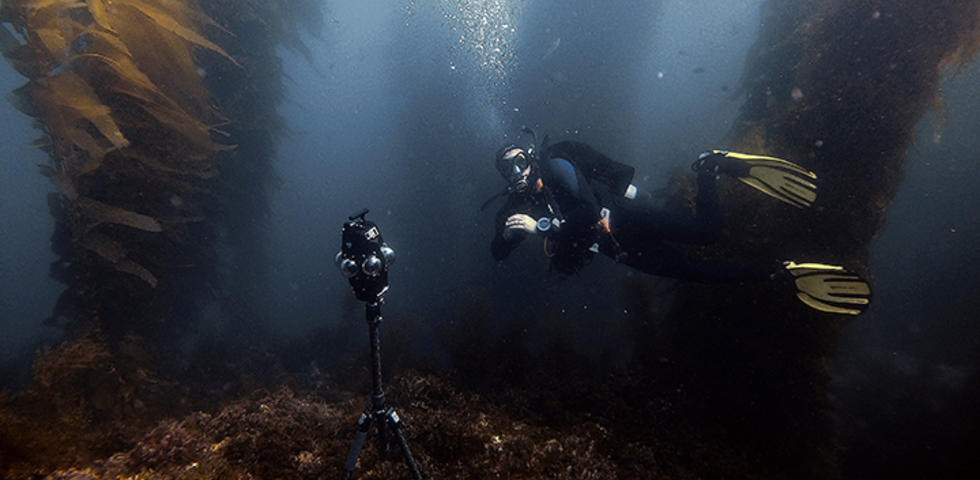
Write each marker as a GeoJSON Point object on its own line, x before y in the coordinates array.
{"type": "Point", "coordinates": [583, 203]}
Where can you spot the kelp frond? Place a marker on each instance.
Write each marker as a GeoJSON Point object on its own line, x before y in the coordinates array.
{"type": "Point", "coordinates": [116, 86]}
{"type": "Point", "coordinates": [173, 17]}
{"type": "Point", "coordinates": [69, 96]}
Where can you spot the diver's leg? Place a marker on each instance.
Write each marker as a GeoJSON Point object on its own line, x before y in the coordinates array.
{"type": "Point", "coordinates": [660, 259]}
{"type": "Point", "coordinates": [642, 219]}
{"type": "Point", "coordinates": [707, 219]}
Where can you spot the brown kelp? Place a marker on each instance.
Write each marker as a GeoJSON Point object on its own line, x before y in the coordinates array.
{"type": "Point", "coordinates": [837, 86]}
{"type": "Point", "coordinates": [140, 151]}
{"type": "Point", "coordinates": [129, 124]}
{"type": "Point", "coordinates": [842, 92]}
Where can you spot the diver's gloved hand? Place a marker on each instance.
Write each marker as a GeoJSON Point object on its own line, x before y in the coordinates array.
{"type": "Point", "coordinates": [519, 222]}
{"type": "Point", "coordinates": [718, 162]}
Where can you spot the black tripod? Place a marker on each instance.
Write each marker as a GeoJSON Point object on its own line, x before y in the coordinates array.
{"type": "Point", "coordinates": [364, 259]}
{"type": "Point", "coordinates": [378, 413]}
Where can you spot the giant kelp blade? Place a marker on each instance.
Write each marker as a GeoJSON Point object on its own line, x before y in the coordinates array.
{"type": "Point", "coordinates": [64, 184]}
{"type": "Point", "coordinates": [114, 253]}
{"type": "Point", "coordinates": [182, 10]}
{"type": "Point", "coordinates": [19, 59]}
{"type": "Point", "coordinates": [8, 42]}
{"type": "Point", "coordinates": [97, 213]}
{"type": "Point", "coordinates": [98, 10]}
{"type": "Point", "coordinates": [163, 57]}
{"type": "Point", "coordinates": [39, 4]}
{"type": "Point", "coordinates": [167, 21]}
{"type": "Point", "coordinates": [22, 98]}
{"type": "Point", "coordinates": [134, 83]}
{"type": "Point", "coordinates": [106, 247]}
{"type": "Point", "coordinates": [133, 268]}
{"type": "Point", "coordinates": [63, 123]}
{"type": "Point", "coordinates": [103, 41]}
{"type": "Point", "coordinates": [69, 91]}
{"type": "Point", "coordinates": [54, 41]}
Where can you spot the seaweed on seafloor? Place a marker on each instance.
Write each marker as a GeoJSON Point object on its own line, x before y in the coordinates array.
{"type": "Point", "coordinates": [601, 427]}
{"type": "Point", "coordinates": [288, 435]}
{"type": "Point", "coordinates": [84, 403]}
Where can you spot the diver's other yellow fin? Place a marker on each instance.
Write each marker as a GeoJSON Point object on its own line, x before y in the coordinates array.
{"type": "Point", "coordinates": [778, 178]}
{"type": "Point", "coordinates": [830, 288]}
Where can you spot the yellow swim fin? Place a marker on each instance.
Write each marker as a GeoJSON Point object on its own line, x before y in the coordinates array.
{"type": "Point", "coordinates": [778, 178]}
{"type": "Point", "coordinates": [830, 288]}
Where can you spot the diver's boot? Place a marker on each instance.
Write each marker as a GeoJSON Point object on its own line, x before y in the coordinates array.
{"type": "Point", "coordinates": [717, 163]}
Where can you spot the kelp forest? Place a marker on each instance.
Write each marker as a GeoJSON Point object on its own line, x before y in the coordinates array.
{"type": "Point", "coordinates": [159, 119]}
{"type": "Point", "coordinates": [154, 114]}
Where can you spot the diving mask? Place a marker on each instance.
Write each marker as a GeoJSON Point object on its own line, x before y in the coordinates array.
{"type": "Point", "coordinates": [513, 163]}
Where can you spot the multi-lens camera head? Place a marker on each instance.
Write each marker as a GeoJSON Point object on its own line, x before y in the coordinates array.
{"type": "Point", "coordinates": [364, 258]}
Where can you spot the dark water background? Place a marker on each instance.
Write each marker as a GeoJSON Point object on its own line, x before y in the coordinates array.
{"type": "Point", "coordinates": [401, 110]}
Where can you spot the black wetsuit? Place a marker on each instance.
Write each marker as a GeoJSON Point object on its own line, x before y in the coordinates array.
{"type": "Point", "coordinates": [579, 181]}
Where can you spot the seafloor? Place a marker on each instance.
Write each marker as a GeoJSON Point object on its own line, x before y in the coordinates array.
{"type": "Point", "coordinates": [90, 416]}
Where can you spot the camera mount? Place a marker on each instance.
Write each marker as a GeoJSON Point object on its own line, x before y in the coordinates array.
{"type": "Point", "coordinates": [364, 259]}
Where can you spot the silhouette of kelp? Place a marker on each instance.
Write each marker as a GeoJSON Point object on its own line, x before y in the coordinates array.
{"type": "Point", "coordinates": [837, 86]}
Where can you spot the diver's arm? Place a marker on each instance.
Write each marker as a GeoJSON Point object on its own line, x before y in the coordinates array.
{"type": "Point", "coordinates": [571, 245]}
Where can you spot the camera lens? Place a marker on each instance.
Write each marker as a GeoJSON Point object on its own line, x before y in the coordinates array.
{"type": "Point", "coordinates": [388, 254]}
{"type": "Point", "coordinates": [348, 268]}
{"type": "Point", "coordinates": [372, 266]}
{"type": "Point", "coordinates": [338, 258]}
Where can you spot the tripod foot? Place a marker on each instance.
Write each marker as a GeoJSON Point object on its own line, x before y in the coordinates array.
{"type": "Point", "coordinates": [384, 419]}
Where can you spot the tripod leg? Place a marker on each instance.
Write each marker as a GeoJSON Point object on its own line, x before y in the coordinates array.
{"type": "Point", "coordinates": [363, 426]}
{"type": "Point", "coordinates": [384, 443]}
{"type": "Point", "coordinates": [403, 444]}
